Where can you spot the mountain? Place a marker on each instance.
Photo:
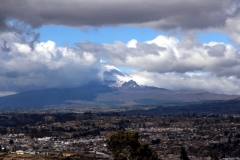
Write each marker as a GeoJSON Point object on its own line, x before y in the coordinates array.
{"type": "Point", "coordinates": [221, 107]}
{"type": "Point", "coordinates": [130, 84]}
{"type": "Point", "coordinates": [109, 93]}
{"type": "Point", "coordinates": [54, 96]}
{"type": "Point", "coordinates": [130, 93]}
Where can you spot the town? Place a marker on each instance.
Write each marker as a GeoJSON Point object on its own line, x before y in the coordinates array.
{"type": "Point", "coordinates": [84, 135]}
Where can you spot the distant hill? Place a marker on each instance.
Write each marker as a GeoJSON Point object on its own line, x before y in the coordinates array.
{"type": "Point", "coordinates": [108, 94]}
{"type": "Point", "coordinates": [54, 96]}
{"type": "Point", "coordinates": [221, 107]}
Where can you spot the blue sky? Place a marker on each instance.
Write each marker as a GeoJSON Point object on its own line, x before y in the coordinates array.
{"type": "Point", "coordinates": [64, 35]}
{"type": "Point", "coordinates": [209, 36]}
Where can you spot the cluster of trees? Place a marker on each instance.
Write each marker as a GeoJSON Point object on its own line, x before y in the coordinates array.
{"type": "Point", "coordinates": [126, 145]}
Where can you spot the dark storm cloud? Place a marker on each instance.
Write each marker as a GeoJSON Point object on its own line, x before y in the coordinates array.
{"type": "Point", "coordinates": [187, 14]}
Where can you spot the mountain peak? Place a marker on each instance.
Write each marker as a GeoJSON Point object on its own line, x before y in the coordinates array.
{"type": "Point", "coordinates": [130, 83]}
{"type": "Point", "coordinates": [124, 84]}
{"type": "Point", "coordinates": [114, 84]}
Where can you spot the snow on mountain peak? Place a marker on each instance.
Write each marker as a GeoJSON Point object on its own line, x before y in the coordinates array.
{"type": "Point", "coordinates": [130, 83]}
{"type": "Point", "coordinates": [114, 83]}
{"type": "Point", "coordinates": [119, 83]}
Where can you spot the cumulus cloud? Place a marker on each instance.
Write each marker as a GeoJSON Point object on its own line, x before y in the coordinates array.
{"type": "Point", "coordinates": [48, 66]}
{"type": "Point", "coordinates": [168, 54]}
{"type": "Point", "coordinates": [216, 50]}
{"type": "Point", "coordinates": [18, 31]}
{"type": "Point", "coordinates": [172, 63]}
{"type": "Point", "coordinates": [5, 47]}
{"type": "Point", "coordinates": [186, 14]}
{"type": "Point", "coordinates": [188, 81]}
{"type": "Point", "coordinates": [233, 29]}
{"type": "Point", "coordinates": [164, 62]}
{"type": "Point", "coordinates": [27, 64]}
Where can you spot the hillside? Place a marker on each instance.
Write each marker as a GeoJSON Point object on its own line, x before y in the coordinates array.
{"type": "Point", "coordinates": [105, 94]}
{"type": "Point", "coordinates": [221, 107]}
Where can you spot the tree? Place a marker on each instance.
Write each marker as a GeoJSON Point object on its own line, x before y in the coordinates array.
{"type": "Point", "coordinates": [11, 142]}
{"type": "Point", "coordinates": [184, 154]}
{"type": "Point", "coordinates": [126, 145]}
{"type": "Point", "coordinates": [214, 156]}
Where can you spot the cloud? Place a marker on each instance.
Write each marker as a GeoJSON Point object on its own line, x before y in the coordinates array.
{"type": "Point", "coordinates": [188, 81]}
{"type": "Point", "coordinates": [167, 54]}
{"type": "Point", "coordinates": [171, 14]}
{"type": "Point", "coordinates": [5, 47]}
{"type": "Point", "coordinates": [164, 62]}
{"type": "Point", "coordinates": [20, 32]}
{"type": "Point", "coordinates": [27, 64]}
{"type": "Point", "coordinates": [171, 63]}
{"type": "Point", "coordinates": [216, 50]}
{"type": "Point", "coordinates": [174, 64]}
{"type": "Point", "coordinates": [48, 66]}
{"type": "Point", "coordinates": [6, 93]}
{"type": "Point", "coordinates": [233, 30]}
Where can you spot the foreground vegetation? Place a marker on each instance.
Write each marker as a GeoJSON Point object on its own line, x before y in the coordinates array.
{"type": "Point", "coordinates": [126, 145]}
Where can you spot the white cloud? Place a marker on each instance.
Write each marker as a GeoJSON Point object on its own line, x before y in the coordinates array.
{"type": "Point", "coordinates": [6, 93]}
{"type": "Point", "coordinates": [167, 54]}
{"type": "Point", "coordinates": [164, 62]}
{"type": "Point", "coordinates": [132, 43]}
{"type": "Point", "coordinates": [46, 66]}
{"type": "Point", "coordinates": [233, 29]}
{"type": "Point", "coordinates": [193, 81]}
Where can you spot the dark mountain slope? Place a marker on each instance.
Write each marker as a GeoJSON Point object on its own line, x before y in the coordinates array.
{"type": "Point", "coordinates": [221, 107]}
{"type": "Point", "coordinates": [53, 96]}
{"type": "Point", "coordinates": [98, 94]}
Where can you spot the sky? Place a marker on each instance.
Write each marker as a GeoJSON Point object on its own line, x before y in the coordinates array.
{"type": "Point", "coordinates": [174, 44]}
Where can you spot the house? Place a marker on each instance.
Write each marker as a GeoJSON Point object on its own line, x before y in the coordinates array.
{"type": "Point", "coordinates": [19, 152]}
{"type": "Point", "coordinates": [67, 154]}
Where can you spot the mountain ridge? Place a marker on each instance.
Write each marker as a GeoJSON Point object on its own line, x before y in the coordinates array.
{"type": "Point", "coordinates": [107, 94]}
